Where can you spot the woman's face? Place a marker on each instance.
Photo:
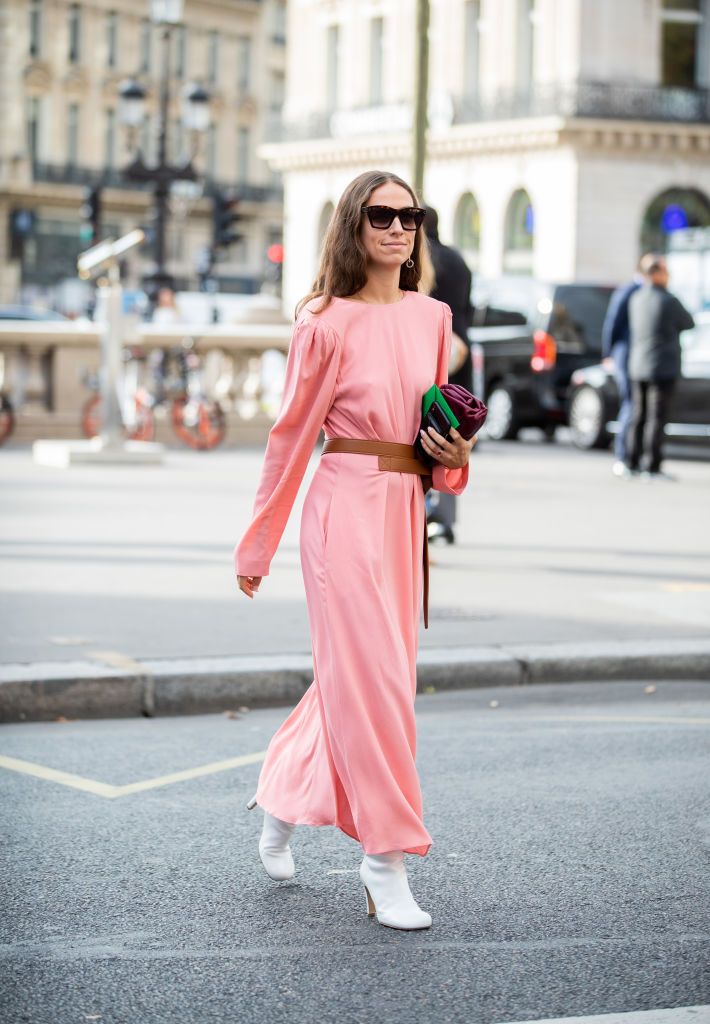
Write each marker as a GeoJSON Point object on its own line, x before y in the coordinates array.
{"type": "Point", "coordinates": [392, 246]}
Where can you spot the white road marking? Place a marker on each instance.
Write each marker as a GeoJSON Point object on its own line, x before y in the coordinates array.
{"type": "Point", "coordinates": [681, 1015]}
{"type": "Point", "coordinates": [110, 792]}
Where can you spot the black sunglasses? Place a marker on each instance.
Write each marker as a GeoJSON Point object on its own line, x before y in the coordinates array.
{"type": "Point", "coordinates": [381, 217]}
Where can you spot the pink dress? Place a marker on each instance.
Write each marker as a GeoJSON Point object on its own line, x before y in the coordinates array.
{"type": "Point", "coordinates": [345, 755]}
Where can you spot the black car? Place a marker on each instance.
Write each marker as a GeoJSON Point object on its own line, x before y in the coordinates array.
{"type": "Point", "coordinates": [528, 338]}
{"type": "Point", "coordinates": [594, 398]}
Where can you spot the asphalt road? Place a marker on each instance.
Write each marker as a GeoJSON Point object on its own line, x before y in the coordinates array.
{"type": "Point", "coordinates": [109, 563]}
{"type": "Point", "coordinates": [569, 873]}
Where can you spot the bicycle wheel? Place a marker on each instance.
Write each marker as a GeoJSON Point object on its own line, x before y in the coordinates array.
{"type": "Point", "coordinates": [199, 423]}
{"type": "Point", "coordinates": [7, 418]}
{"type": "Point", "coordinates": [91, 420]}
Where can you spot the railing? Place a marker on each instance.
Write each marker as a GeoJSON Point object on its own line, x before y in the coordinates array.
{"type": "Point", "coordinates": [589, 99]}
{"type": "Point", "coordinates": [43, 364]}
{"type": "Point", "coordinates": [579, 99]}
{"type": "Point", "coordinates": [71, 174]}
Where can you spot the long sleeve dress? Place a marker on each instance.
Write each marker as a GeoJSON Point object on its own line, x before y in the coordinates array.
{"type": "Point", "coordinates": [345, 756]}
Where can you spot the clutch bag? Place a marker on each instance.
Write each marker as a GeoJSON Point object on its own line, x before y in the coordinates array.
{"type": "Point", "coordinates": [449, 406]}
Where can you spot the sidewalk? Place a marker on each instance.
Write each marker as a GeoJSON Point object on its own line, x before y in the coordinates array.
{"type": "Point", "coordinates": [118, 595]}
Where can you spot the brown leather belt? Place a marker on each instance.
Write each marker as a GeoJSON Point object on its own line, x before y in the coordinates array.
{"type": "Point", "coordinates": [396, 458]}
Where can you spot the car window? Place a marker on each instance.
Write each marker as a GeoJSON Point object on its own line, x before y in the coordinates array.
{"type": "Point", "coordinates": [577, 316]}
{"type": "Point", "coordinates": [504, 302]}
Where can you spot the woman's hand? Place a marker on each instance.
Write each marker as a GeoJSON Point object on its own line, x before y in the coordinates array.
{"type": "Point", "coordinates": [249, 584]}
{"type": "Point", "coordinates": [453, 454]}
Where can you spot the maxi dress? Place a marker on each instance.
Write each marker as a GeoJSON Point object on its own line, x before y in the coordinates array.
{"type": "Point", "coordinates": [345, 755]}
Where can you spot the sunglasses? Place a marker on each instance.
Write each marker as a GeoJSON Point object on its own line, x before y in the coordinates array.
{"type": "Point", "coordinates": [381, 217]}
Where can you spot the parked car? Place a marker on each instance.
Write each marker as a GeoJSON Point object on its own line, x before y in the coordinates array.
{"type": "Point", "coordinates": [528, 337]}
{"type": "Point", "coordinates": [594, 398]}
{"type": "Point", "coordinates": [28, 313]}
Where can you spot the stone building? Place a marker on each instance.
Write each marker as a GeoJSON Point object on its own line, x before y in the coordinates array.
{"type": "Point", "coordinates": [565, 135]}
{"type": "Point", "coordinates": [61, 64]}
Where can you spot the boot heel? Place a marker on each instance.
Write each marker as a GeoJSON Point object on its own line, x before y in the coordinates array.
{"type": "Point", "coordinates": [251, 804]}
{"type": "Point", "coordinates": [370, 903]}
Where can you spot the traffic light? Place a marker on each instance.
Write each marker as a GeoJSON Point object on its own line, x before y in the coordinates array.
{"type": "Point", "coordinates": [91, 215]}
{"type": "Point", "coordinates": [224, 217]}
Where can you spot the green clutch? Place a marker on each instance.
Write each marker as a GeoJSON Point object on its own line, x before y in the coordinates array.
{"type": "Point", "coordinates": [434, 395]}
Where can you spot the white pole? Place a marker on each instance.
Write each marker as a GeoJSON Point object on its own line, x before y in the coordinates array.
{"type": "Point", "coordinates": [111, 363]}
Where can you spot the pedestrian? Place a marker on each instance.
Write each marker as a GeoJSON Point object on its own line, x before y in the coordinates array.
{"type": "Point", "coordinates": [615, 352]}
{"type": "Point", "coordinates": [656, 318]}
{"type": "Point", "coordinates": [453, 286]}
{"type": "Point", "coordinates": [366, 346]}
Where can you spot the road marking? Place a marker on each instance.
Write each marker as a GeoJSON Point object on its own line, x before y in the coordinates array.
{"type": "Point", "coordinates": [683, 588]}
{"type": "Point", "coordinates": [117, 660]}
{"type": "Point", "coordinates": [636, 719]}
{"type": "Point", "coordinates": [109, 792]}
{"type": "Point", "coordinates": [681, 1015]}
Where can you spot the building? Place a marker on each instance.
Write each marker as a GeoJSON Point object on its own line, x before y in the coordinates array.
{"type": "Point", "coordinates": [565, 135]}
{"type": "Point", "coordinates": [61, 65]}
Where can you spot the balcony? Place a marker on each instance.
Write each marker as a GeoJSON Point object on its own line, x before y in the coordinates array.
{"type": "Point", "coordinates": [576, 100]}
{"type": "Point", "coordinates": [70, 174]}
{"type": "Point", "coordinates": [589, 99]}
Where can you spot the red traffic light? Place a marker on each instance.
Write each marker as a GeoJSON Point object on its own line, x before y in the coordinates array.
{"type": "Point", "coordinates": [275, 253]}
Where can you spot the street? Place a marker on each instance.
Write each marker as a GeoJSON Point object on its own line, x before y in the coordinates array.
{"type": "Point", "coordinates": [568, 876]}
{"type": "Point", "coordinates": [115, 562]}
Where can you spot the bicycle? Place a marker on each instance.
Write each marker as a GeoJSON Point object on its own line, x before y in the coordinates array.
{"type": "Point", "coordinates": [197, 420]}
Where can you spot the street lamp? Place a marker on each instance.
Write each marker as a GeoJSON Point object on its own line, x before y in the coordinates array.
{"type": "Point", "coordinates": [195, 118]}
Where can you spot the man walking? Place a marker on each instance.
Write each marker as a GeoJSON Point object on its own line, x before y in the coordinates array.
{"type": "Point", "coordinates": [656, 318]}
{"type": "Point", "coordinates": [453, 286]}
{"type": "Point", "coordinates": [615, 347]}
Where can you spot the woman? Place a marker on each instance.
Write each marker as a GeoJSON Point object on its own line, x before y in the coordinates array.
{"type": "Point", "coordinates": [366, 346]}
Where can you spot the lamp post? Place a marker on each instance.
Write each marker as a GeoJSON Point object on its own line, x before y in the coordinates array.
{"type": "Point", "coordinates": [195, 117]}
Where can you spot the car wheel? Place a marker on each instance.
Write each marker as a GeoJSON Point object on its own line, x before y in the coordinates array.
{"type": "Point", "coordinates": [502, 421]}
{"type": "Point", "coordinates": [587, 419]}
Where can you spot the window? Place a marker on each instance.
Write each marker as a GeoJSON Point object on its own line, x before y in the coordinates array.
{"type": "Point", "coordinates": [376, 59]}
{"type": "Point", "coordinates": [243, 144]}
{"type": "Point", "coordinates": [684, 43]}
{"type": "Point", "coordinates": [111, 38]}
{"type": "Point", "coordinates": [673, 210]}
{"type": "Point", "coordinates": [35, 28]}
{"type": "Point", "coordinates": [279, 22]}
{"type": "Point", "coordinates": [145, 45]}
{"type": "Point", "coordinates": [74, 33]}
{"type": "Point", "coordinates": [467, 228]}
{"type": "Point", "coordinates": [34, 111]}
{"type": "Point", "coordinates": [146, 142]}
{"type": "Point", "coordinates": [213, 58]}
{"type": "Point", "coordinates": [277, 91]}
{"type": "Point", "coordinates": [472, 47]}
{"type": "Point", "coordinates": [110, 140]}
{"type": "Point", "coordinates": [525, 45]}
{"type": "Point", "coordinates": [178, 140]}
{"type": "Point", "coordinates": [181, 51]}
{"type": "Point", "coordinates": [323, 222]}
{"type": "Point", "coordinates": [332, 54]}
{"type": "Point", "coordinates": [243, 65]}
{"type": "Point", "coordinates": [519, 233]}
{"type": "Point", "coordinates": [212, 151]}
{"type": "Point", "coordinates": [72, 134]}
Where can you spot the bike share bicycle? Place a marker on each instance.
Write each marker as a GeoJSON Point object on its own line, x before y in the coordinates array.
{"type": "Point", "coordinates": [198, 420]}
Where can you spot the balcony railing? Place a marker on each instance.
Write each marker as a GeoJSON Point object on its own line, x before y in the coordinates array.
{"type": "Point", "coordinates": [589, 99]}
{"type": "Point", "coordinates": [71, 174]}
{"type": "Point", "coordinates": [581, 99]}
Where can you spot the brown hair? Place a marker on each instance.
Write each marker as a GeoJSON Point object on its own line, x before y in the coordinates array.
{"type": "Point", "coordinates": [342, 268]}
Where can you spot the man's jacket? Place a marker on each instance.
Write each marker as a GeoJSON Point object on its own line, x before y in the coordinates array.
{"type": "Point", "coordinates": [656, 319]}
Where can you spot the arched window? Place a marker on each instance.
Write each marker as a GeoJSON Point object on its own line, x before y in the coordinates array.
{"type": "Point", "coordinates": [673, 210]}
{"type": "Point", "coordinates": [467, 229]}
{"type": "Point", "coordinates": [519, 234]}
{"type": "Point", "coordinates": [323, 222]}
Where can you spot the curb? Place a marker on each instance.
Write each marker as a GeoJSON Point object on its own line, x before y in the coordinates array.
{"type": "Point", "coordinates": [85, 689]}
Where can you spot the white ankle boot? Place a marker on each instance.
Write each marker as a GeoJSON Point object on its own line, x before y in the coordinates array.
{"type": "Point", "coordinates": [388, 894]}
{"type": "Point", "coordinates": [274, 850]}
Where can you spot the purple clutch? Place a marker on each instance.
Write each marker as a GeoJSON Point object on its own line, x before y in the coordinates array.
{"type": "Point", "coordinates": [469, 410]}
{"type": "Point", "coordinates": [450, 405]}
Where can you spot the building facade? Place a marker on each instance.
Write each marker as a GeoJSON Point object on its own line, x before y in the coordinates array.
{"type": "Point", "coordinates": [61, 65]}
{"type": "Point", "coordinates": [565, 136]}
